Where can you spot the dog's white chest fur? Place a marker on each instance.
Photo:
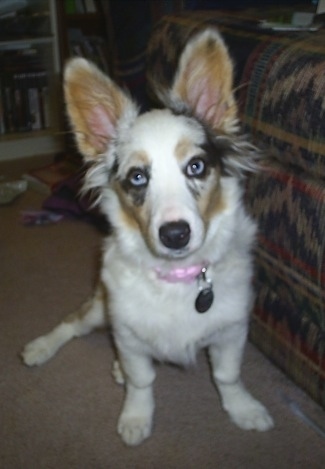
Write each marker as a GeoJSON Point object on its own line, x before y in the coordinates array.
{"type": "Point", "coordinates": [160, 319]}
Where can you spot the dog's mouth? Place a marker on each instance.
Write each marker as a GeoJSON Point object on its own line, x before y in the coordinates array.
{"type": "Point", "coordinates": [175, 254]}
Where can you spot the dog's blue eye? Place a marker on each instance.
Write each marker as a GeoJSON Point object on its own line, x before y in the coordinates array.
{"type": "Point", "coordinates": [138, 178]}
{"type": "Point", "coordinates": [196, 168]}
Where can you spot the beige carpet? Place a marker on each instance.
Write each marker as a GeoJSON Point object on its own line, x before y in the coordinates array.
{"type": "Point", "coordinates": [63, 415]}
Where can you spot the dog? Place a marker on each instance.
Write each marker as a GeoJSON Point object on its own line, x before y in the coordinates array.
{"type": "Point", "coordinates": [176, 272]}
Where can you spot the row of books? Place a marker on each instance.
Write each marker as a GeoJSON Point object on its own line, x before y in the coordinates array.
{"type": "Point", "coordinates": [24, 92]}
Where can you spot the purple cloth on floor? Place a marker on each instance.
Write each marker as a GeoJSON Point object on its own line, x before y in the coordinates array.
{"type": "Point", "coordinates": [67, 200]}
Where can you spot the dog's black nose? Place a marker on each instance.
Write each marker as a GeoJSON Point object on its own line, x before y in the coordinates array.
{"type": "Point", "coordinates": [175, 234]}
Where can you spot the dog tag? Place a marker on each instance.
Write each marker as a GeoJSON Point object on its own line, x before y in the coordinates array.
{"type": "Point", "coordinates": [205, 297]}
{"type": "Point", "coordinates": [204, 300]}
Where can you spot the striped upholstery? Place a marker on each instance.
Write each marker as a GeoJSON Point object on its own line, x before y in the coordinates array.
{"type": "Point", "coordinates": [288, 320]}
{"type": "Point", "coordinates": [282, 106]}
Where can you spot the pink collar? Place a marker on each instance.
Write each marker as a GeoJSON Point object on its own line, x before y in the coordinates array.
{"type": "Point", "coordinates": [181, 274]}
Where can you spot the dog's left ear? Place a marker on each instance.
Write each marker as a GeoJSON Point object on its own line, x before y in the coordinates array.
{"type": "Point", "coordinates": [204, 81]}
{"type": "Point", "coordinates": [96, 107]}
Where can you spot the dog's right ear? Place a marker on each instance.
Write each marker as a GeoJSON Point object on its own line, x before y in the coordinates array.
{"type": "Point", "coordinates": [96, 106]}
{"type": "Point", "coordinates": [204, 82]}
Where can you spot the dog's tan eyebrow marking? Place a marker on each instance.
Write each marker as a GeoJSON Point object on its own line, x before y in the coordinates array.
{"type": "Point", "coordinates": [140, 157]}
{"type": "Point", "coordinates": [182, 148]}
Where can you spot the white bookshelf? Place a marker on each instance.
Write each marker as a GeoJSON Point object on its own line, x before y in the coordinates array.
{"type": "Point", "coordinates": [18, 144]}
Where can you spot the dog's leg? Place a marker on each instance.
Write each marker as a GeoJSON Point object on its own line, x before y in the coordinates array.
{"type": "Point", "coordinates": [90, 316]}
{"type": "Point", "coordinates": [245, 411]}
{"type": "Point", "coordinates": [135, 421]}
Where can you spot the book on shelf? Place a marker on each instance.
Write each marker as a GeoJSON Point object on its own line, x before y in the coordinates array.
{"type": "Point", "coordinates": [24, 94]}
{"type": "Point", "coordinates": [80, 6]}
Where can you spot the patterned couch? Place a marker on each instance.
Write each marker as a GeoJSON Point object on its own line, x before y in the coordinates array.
{"type": "Point", "coordinates": [281, 92]}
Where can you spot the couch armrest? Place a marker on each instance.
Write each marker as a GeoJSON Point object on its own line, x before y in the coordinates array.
{"type": "Point", "coordinates": [283, 104]}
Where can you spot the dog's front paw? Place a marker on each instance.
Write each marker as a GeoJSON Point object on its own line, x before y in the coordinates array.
{"type": "Point", "coordinates": [134, 429]}
{"type": "Point", "coordinates": [252, 416]}
{"type": "Point", "coordinates": [245, 411]}
{"type": "Point", "coordinates": [37, 352]}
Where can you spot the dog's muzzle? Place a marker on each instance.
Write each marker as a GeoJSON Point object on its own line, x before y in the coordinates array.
{"type": "Point", "coordinates": [175, 234]}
